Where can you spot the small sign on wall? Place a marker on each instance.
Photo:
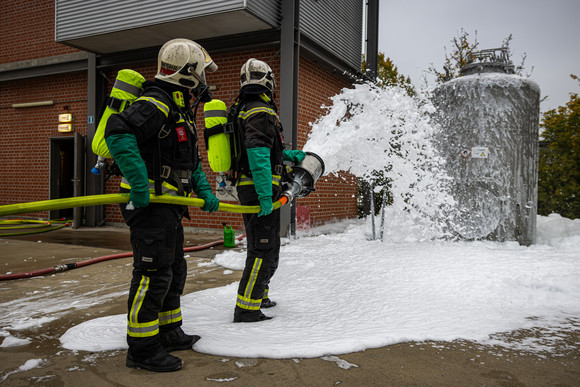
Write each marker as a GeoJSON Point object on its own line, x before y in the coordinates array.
{"type": "Point", "coordinates": [65, 127]}
{"type": "Point", "coordinates": [65, 122]}
{"type": "Point", "coordinates": [479, 152]}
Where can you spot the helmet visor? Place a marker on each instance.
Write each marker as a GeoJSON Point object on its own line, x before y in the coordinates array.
{"type": "Point", "coordinates": [209, 64]}
{"type": "Point", "coordinates": [256, 76]}
{"type": "Point", "coordinates": [189, 71]}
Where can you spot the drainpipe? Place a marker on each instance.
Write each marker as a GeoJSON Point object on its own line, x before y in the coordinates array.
{"type": "Point", "coordinates": [289, 63]}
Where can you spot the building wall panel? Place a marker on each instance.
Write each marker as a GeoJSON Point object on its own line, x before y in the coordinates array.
{"type": "Point", "coordinates": [79, 18]}
{"type": "Point", "coordinates": [336, 25]}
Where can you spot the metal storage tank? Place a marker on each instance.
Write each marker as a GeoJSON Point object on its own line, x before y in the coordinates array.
{"type": "Point", "coordinates": [490, 119]}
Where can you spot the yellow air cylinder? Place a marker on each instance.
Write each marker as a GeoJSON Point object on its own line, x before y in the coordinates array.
{"type": "Point", "coordinates": [125, 91]}
{"type": "Point", "coordinates": [218, 144]}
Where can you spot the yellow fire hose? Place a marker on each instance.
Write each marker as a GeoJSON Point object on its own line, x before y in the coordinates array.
{"type": "Point", "coordinates": [14, 224]}
{"type": "Point", "coordinates": [97, 200]}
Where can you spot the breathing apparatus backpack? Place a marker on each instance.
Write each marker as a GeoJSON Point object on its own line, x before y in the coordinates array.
{"type": "Point", "coordinates": [222, 138]}
{"type": "Point", "coordinates": [127, 88]}
{"type": "Point", "coordinates": [224, 144]}
{"type": "Point", "coordinates": [225, 147]}
{"type": "Point", "coordinates": [217, 136]}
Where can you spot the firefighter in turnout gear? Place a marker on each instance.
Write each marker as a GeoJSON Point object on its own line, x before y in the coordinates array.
{"type": "Point", "coordinates": [154, 142]}
{"type": "Point", "coordinates": [260, 171]}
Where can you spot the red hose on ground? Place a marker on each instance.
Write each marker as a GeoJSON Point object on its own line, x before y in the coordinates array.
{"type": "Point", "coordinates": [70, 266]}
{"type": "Point", "coordinates": [35, 273]}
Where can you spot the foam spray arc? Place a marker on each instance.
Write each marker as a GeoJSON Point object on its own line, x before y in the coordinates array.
{"type": "Point", "coordinates": [370, 130]}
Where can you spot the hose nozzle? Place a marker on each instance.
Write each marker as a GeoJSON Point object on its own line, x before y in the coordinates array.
{"type": "Point", "coordinates": [304, 176]}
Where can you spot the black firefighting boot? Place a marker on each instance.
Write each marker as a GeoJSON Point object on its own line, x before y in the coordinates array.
{"type": "Point", "coordinates": [177, 340]}
{"type": "Point", "coordinates": [159, 362]}
{"type": "Point", "coordinates": [243, 315]}
{"type": "Point", "coordinates": [267, 303]}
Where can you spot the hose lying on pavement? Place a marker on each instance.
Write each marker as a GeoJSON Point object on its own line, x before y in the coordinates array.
{"type": "Point", "coordinates": [33, 226]}
{"type": "Point", "coordinates": [97, 200]}
{"type": "Point", "coordinates": [75, 265]}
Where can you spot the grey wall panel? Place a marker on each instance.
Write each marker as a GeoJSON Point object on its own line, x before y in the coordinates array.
{"type": "Point", "coordinates": [336, 25]}
{"type": "Point", "coordinates": [79, 18]}
{"type": "Point", "coordinates": [105, 26]}
{"type": "Point", "coordinates": [268, 10]}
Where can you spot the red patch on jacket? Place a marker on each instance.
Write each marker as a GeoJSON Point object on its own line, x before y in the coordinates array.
{"type": "Point", "coordinates": [181, 134]}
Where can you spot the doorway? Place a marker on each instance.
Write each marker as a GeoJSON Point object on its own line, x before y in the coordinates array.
{"type": "Point", "coordinates": [66, 174]}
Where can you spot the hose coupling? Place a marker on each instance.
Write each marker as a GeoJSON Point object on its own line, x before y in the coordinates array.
{"type": "Point", "coordinates": [289, 195]}
{"type": "Point", "coordinates": [64, 267]}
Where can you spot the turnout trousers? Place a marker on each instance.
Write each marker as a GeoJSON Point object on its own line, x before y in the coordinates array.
{"type": "Point", "coordinates": [263, 252]}
{"type": "Point", "coordinates": [159, 274]}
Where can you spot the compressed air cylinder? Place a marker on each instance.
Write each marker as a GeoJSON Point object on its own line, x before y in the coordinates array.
{"type": "Point", "coordinates": [218, 144]}
{"type": "Point", "coordinates": [125, 91]}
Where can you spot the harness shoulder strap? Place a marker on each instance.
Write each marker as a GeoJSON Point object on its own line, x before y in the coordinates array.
{"type": "Point", "coordinates": [158, 179]}
{"type": "Point", "coordinates": [238, 146]}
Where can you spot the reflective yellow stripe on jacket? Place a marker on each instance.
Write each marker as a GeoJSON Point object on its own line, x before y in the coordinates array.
{"type": "Point", "coordinates": [260, 109]}
{"type": "Point", "coordinates": [166, 188]}
{"type": "Point", "coordinates": [246, 180]}
{"type": "Point", "coordinates": [158, 104]}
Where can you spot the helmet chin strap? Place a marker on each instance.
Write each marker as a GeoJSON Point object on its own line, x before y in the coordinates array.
{"type": "Point", "coordinates": [203, 94]}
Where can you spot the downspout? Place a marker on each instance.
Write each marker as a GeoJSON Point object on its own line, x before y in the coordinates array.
{"type": "Point", "coordinates": [289, 66]}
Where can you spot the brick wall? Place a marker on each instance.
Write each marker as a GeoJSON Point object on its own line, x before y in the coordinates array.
{"type": "Point", "coordinates": [27, 31]}
{"type": "Point", "coordinates": [26, 132]}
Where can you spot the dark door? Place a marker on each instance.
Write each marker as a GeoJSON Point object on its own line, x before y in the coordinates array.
{"type": "Point", "coordinates": [66, 174]}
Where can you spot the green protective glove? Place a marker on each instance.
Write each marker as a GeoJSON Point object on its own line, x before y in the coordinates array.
{"type": "Point", "coordinates": [295, 156]}
{"type": "Point", "coordinates": [259, 160]}
{"type": "Point", "coordinates": [125, 151]}
{"type": "Point", "coordinates": [203, 190]}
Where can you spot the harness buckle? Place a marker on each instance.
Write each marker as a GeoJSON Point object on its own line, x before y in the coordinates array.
{"type": "Point", "coordinates": [165, 171]}
{"type": "Point", "coordinates": [279, 169]}
{"type": "Point", "coordinates": [228, 127]}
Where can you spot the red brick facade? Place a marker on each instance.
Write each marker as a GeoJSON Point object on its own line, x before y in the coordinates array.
{"type": "Point", "coordinates": [25, 144]}
{"type": "Point", "coordinates": [27, 31]}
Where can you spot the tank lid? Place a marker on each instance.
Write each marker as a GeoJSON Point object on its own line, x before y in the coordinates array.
{"type": "Point", "coordinates": [493, 60]}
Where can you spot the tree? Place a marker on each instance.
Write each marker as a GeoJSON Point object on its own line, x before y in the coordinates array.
{"type": "Point", "coordinates": [459, 57]}
{"type": "Point", "coordinates": [559, 167]}
{"type": "Point", "coordinates": [388, 74]}
{"type": "Point", "coordinates": [464, 53]}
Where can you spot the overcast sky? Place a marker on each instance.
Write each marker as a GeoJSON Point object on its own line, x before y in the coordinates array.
{"type": "Point", "coordinates": [413, 33]}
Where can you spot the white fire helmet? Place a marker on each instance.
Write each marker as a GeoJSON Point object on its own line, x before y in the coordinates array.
{"type": "Point", "coordinates": [257, 72]}
{"type": "Point", "coordinates": [183, 62]}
